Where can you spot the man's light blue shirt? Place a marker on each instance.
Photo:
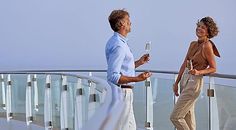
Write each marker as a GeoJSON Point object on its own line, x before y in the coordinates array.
{"type": "Point", "coordinates": [120, 59]}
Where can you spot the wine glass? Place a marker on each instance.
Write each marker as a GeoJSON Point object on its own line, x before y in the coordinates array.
{"type": "Point", "coordinates": [191, 67]}
{"type": "Point", "coordinates": [148, 47]}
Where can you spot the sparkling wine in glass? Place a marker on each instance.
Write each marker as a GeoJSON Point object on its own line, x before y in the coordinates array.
{"type": "Point", "coordinates": [148, 47]}
{"type": "Point", "coordinates": [191, 67]}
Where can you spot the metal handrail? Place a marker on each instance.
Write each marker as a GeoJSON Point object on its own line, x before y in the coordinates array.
{"type": "Point", "coordinates": [217, 75]}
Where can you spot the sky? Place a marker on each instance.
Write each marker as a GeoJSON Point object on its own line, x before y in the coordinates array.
{"type": "Point", "coordinates": [72, 34]}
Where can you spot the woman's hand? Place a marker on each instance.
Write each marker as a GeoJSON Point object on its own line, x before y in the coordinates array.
{"type": "Point", "coordinates": [175, 89]}
{"type": "Point", "coordinates": [194, 72]}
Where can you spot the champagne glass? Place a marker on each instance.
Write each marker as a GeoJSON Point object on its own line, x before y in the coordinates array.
{"type": "Point", "coordinates": [191, 67]}
{"type": "Point", "coordinates": [148, 48]}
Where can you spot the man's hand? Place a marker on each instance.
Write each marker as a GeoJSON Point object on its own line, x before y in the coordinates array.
{"type": "Point", "coordinates": [142, 60]}
{"type": "Point", "coordinates": [175, 89]}
{"type": "Point", "coordinates": [143, 76]}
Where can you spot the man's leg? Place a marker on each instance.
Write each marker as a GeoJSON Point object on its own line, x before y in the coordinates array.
{"type": "Point", "coordinates": [132, 123]}
{"type": "Point", "coordinates": [124, 121]}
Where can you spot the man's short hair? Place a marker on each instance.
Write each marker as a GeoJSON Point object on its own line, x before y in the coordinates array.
{"type": "Point", "coordinates": [115, 19]}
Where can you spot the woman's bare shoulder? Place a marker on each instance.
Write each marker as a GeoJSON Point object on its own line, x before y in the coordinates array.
{"type": "Point", "coordinates": [192, 43]}
{"type": "Point", "coordinates": [207, 45]}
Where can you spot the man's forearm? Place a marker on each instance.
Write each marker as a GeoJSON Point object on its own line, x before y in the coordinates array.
{"type": "Point", "coordinates": [126, 79]}
{"type": "Point", "coordinates": [137, 63]}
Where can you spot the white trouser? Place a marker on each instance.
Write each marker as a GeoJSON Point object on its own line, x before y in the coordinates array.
{"type": "Point", "coordinates": [128, 120]}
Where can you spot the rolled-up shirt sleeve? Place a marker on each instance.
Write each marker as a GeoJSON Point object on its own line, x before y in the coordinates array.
{"type": "Point", "coordinates": [116, 58]}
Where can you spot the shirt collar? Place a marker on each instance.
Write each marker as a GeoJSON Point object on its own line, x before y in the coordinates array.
{"type": "Point", "coordinates": [122, 38]}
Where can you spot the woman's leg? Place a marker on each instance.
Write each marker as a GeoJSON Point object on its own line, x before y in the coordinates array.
{"type": "Point", "coordinates": [190, 118]}
{"type": "Point", "coordinates": [181, 109]}
{"type": "Point", "coordinates": [183, 116]}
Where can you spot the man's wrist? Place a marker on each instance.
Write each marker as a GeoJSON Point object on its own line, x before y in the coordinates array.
{"type": "Point", "coordinates": [137, 63]}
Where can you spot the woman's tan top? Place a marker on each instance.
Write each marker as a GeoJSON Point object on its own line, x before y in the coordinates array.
{"type": "Point", "coordinates": [195, 53]}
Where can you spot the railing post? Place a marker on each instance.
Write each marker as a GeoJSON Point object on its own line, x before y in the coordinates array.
{"type": "Point", "coordinates": [213, 108]}
{"type": "Point", "coordinates": [48, 104]}
{"type": "Point", "coordinates": [63, 109]}
{"type": "Point", "coordinates": [36, 100]}
{"type": "Point", "coordinates": [3, 105]}
{"type": "Point", "coordinates": [89, 82]}
{"type": "Point", "coordinates": [93, 98]}
{"type": "Point", "coordinates": [28, 104]}
{"type": "Point", "coordinates": [78, 106]}
{"type": "Point", "coordinates": [9, 98]}
{"type": "Point", "coordinates": [149, 105]}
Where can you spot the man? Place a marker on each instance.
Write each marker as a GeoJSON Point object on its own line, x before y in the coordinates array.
{"type": "Point", "coordinates": [121, 64]}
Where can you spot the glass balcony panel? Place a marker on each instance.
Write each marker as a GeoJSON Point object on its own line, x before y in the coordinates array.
{"type": "Point", "coordinates": [139, 104]}
{"type": "Point", "coordinates": [202, 109]}
{"type": "Point", "coordinates": [56, 86]}
{"type": "Point", "coordinates": [163, 103]}
{"type": "Point", "coordinates": [3, 96]}
{"type": "Point", "coordinates": [85, 100]}
{"type": "Point", "coordinates": [226, 107]}
{"type": "Point", "coordinates": [18, 92]}
{"type": "Point", "coordinates": [71, 104]}
{"type": "Point", "coordinates": [71, 93]}
{"type": "Point", "coordinates": [38, 114]}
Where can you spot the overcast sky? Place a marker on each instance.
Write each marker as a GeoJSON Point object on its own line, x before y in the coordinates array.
{"type": "Point", "coordinates": [71, 34]}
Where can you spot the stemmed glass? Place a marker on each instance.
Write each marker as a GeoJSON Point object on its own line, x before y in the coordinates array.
{"type": "Point", "coordinates": [148, 48]}
{"type": "Point", "coordinates": [191, 67]}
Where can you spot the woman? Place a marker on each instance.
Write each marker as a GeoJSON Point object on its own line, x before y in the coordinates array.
{"type": "Point", "coordinates": [200, 60]}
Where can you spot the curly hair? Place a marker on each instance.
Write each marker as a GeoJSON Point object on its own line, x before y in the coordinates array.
{"type": "Point", "coordinates": [211, 26]}
{"type": "Point", "coordinates": [116, 17]}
